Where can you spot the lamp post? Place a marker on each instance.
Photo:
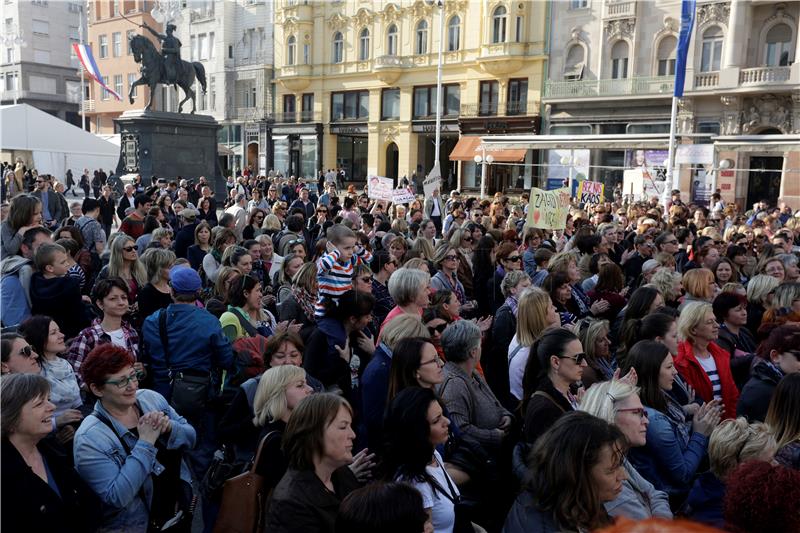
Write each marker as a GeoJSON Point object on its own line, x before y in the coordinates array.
{"type": "Point", "coordinates": [12, 37]}
{"type": "Point", "coordinates": [436, 171]}
{"type": "Point", "coordinates": [483, 160]}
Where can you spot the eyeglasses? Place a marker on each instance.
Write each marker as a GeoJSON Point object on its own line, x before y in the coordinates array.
{"type": "Point", "coordinates": [124, 382]}
{"type": "Point", "coordinates": [26, 351]}
{"type": "Point", "coordinates": [578, 358]}
{"type": "Point", "coordinates": [639, 411]}
{"type": "Point", "coordinates": [436, 360]}
{"type": "Point", "coordinates": [468, 239]}
{"type": "Point", "coordinates": [128, 248]}
{"type": "Point", "coordinates": [437, 329]}
{"type": "Point", "coordinates": [671, 242]}
{"type": "Point", "coordinates": [322, 210]}
{"type": "Point", "coordinates": [514, 258]}
{"type": "Point", "coordinates": [451, 258]}
{"type": "Point", "coordinates": [296, 241]}
{"type": "Point", "coordinates": [366, 279]}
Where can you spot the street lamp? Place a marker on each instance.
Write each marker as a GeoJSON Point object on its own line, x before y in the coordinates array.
{"type": "Point", "coordinates": [483, 160]}
{"type": "Point", "coordinates": [436, 171]}
{"type": "Point", "coordinates": [12, 37]}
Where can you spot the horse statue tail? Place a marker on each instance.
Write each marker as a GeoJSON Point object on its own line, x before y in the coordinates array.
{"type": "Point", "coordinates": [200, 72]}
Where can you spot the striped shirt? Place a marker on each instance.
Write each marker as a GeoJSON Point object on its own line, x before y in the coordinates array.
{"type": "Point", "coordinates": [710, 367]}
{"type": "Point", "coordinates": [336, 278]}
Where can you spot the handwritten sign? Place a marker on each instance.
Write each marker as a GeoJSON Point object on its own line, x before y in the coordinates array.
{"type": "Point", "coordinates": [430, 184]}
{"type": "Point", "coordinates": [548, 209]}
{"type": "Point", "coordinates": [403, 196]}
{"type": "Point", "coordinates": [380, 188]}
{"type": "Point", "coordinates": [590, 192]}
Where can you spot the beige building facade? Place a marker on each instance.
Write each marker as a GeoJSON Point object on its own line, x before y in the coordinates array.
{"type": "Point", "coordinates": [356, 87]}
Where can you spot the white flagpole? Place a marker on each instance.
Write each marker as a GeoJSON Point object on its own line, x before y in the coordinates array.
{"type": "Point", "coordinates": [83, 87]}
{"type": "Point", "coordinates": [668, 184]}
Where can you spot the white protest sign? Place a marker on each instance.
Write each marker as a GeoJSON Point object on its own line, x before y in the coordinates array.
{"type": "Point", "coordinates": [403, 196]}
{"type": "Point", "coordinates": [380, 188]}
{"type": "Point", "coordinates": [430, 184]}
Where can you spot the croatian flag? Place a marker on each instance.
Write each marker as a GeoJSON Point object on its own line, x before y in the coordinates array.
{"type": "Point", "coordinates": [87, 60]}
{"type": "Point", "coordinates": [688, 8]}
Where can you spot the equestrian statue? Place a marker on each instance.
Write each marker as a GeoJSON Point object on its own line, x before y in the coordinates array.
{"type": "Point", "coordinates": [166, 67]}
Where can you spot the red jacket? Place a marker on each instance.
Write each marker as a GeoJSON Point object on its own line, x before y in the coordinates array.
{"type": "Point", "coordinates": [690, 369]}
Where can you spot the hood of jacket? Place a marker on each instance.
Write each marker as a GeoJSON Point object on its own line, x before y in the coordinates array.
{"type": "Point", "coordinates": [333, 330]}
{"type": "Point", "coordinates": [12, 264]}
{"type": "Point", "coordinates": [767, 373]}
{"type": "Point", "coordinates": [52, 288]}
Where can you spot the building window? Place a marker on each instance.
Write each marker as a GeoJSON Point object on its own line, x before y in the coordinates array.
{"type": "Point", "coordinates": [306, 53]}
{"type": "Point", "coordinates": [363, 45]}
{"type": "Point", "coordinates": [118, 88]}
{"type": "Point", "coordinates": [518, 30]}
{"type": "Point", "coordinates": [578, 4]}
{"type": "Point", "coordinates": [128, 36]}
{"type": "Point", "coordinates": [41, 28]}
{"type": "Point", "coordinates": [391, 41]}
{"type": "Point", "coordinates": [666, 56]}
{"type": "Point", "coordinates": [193, 48]}
{"type": "Point", "coordinates": [103, 46]}
{"type": "Point", "coordinates": [291, 46]}
{"type": "Point", "coordinates": [41, 56]}
{"type": "Point", "coordinates": [212, 93]}
{"type": "Point", "coordinates": [712, 49]}
{"type": "Point", "coordinates": [708, 127]}
{"type": "Point", "coordinates": [338, 48]}
{"type": "Point", "coordinates": [517, 100]}
{"type": "Point", "coordinates": [499, 25]}
{"type": "Point", "coordinates": [131, 81]}
{"type": "Point", "coordinates": [211, 45]}
{"type": "Point", "coordinates": [352, 105]}
{"type": "Point", "coordinates": [105, 93]}
{"type": "Point", "coordinates": [489, 98]}
{"type": "Point", "coordinates": [573, 64]}
{"type": "Point", "coordinates": [202, 46]}
{"type": "Point", "coordinates": [116, 44]}
{"type": "Point", "coordinates": [289, 107]}
{"type": "Point", "coordinates": [779, 37]}
{"type": "Point", "coordinates": [619, 60]}
{"type": "Point", "coordinates": [390, 104]}
{"type": "Point", "coordinates": [425, 101]}
{"type": "Point", "coordinates": [422, 38]}
{"type": "Point", "coordinates": [454, 34]}
{"type": "Point", "coordinates": [308, 107]}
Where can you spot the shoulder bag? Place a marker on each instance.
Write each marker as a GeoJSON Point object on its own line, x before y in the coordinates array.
{"type": "Point", "coordinates": [190, 390]}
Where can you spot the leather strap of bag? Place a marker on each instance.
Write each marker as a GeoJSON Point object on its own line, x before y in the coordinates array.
{"type": "Point", "coordinates": [162, 332]}
{"type": "Point", "coordinates": [261, 444]}
{"type": "Point", "coordinates": [544, 394]}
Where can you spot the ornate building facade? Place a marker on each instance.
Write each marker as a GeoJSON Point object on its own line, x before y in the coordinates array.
{"type": "Point", "coordinates": [356, 86]}
{"type": "Point", "coordinates": [611, 78]}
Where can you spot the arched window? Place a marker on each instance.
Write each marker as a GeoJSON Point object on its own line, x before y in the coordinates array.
{"type": "Point", "coordinates": [391, 41]}
{"type": "Point", "coordinates": [779, 37]}
{"type": "Point", "coordinates": [337, 55]}
{"type": "Point", "coordinates": [711, 54]}
{"type": "Point", "coordinates": [422, 38]}
{"type": "Point", "coordinates": [573, 64]}
{"type": "Point", "coordinates": [291, 50]}
{"type": "Point", "coordinates": [666, 56]}
{"type": "Point", "coordinates": [363, 45]}
{"type": "Point", "coordinates": [499, 25]}
{"type": "Point", "coordinates": [454, 34]}
{"type": "Point", "coordinates": [619, 60]}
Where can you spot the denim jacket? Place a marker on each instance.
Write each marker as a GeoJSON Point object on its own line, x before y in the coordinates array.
{"type": "Point", "coordinates": [117, 478]}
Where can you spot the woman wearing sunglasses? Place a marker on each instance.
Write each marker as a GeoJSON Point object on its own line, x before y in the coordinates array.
{"type": "Point", "coordinates": [551, 381]}
{"type": "Point", "coordinates": [508, 259]}
{"type": "Point", "coordinates": [116, 446]}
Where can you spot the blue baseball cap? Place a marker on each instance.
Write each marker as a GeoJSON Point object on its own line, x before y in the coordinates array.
{"type": "Point", "coordinates": [184, 280]}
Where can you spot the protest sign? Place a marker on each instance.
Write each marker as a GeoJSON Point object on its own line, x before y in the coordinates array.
{"type": "Point", "coordinates": [403, 196]}
{"type": "Point", "coordinates": [380, 188]}
{"type": "Point", "coordinates": [548, 209]}
{"type": "Point", "coordinates": [590, 192]}
{"type": "Point", "coordinates": [430, 184]}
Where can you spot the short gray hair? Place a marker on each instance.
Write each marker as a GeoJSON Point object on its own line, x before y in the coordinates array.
{"type": "Point", "coordinates": [405, 283]}
{"type": "Point", "coordinates": [460, 338]}
{"type": "Point", "coordinates": [787, 259]}
{"type": "Point", "coordinates": [512, 279]}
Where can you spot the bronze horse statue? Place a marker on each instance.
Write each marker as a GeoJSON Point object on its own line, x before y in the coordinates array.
{"type": "Point", "coordinates": [145, 52]}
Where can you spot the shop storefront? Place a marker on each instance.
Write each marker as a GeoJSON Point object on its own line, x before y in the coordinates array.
{"type": "Point", "coordinates": [352, 149]}
{"type": "Point", "coordinates": [426, 150]}
{"type": "Point", "coordinates": [296, 149]}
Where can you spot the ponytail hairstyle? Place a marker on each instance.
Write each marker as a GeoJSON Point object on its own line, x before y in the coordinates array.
{"type": "Point", "coordinates": [553, 342]}
{"type": "Point", "coordinates": [645, 329]}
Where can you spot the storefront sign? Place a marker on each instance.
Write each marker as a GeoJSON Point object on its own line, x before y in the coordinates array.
{"type": "Point", "coordinates": [380, 188]}
{"type": "Point", "coordinates": [694, 154]}
{"type": "Point", "coordinates": [403, 196]}
{"type": "Point", "coordinates": [431, 128]}
{"type": "Point", "coordinates": [590, 192]}
{"type": "Point", "coordinates": [348, 130]}
{"type": "Point", "coordinates": [548, 209]}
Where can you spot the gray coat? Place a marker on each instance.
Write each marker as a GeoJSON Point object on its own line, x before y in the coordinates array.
{"type": "Point", "coordinates": [54, 205]}
{"type": "Point", "coordinates": [639, 499]}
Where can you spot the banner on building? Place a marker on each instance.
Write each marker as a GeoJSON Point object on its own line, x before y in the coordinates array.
{"type": "Point", "coordinates": [590, 192]}
{"type": "Point", "coordinates": [380, 188]}
{"type": "Point", "coordinates": [548, 209]}
{"type": "Point", "coordinates": [653, 165]}
{"type": "Point", "coordinates": [403, 196]}
{"type": "Point", "coordinates": [694, 154]}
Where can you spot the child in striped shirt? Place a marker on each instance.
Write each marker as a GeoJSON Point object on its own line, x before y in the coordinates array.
{"type": "Point", "coordinates": [335, 268]}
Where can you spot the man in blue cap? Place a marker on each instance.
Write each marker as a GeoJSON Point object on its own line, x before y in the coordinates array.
{"type": "Point", "coordinates": [195, 354]}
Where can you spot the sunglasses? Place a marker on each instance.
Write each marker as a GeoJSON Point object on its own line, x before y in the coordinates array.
{"type": "Point", "coordinates": [578, 358]}
{"type": "Point", "coordinates": [451, 258]}
{"type": "Point", "coordinates": [322, 210]}
{"type": "Point", "coordinates": [26, 351]}
{"type": "Point", "coordinates": [128, 248]}
{"type": "Point", "coordinates": [468, 239]}
{"type": "Point", "coordinates": [366, 279]}
{"type": "Point", "coordinates": [437, 329]}
{"type": "Point", "coordinates": [514, 258]}
{"type": "Point", "coordinates": [296, 241]}
{"type": "Point", "coordinates": [640, 411]}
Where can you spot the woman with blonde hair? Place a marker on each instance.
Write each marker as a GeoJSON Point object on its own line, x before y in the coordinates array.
{"type": "Point", "coordinates": [535, 314]}
{"type": "Point", "coordinates": [593, 335]}
{"type": "Point", "coordinates": [669, 283]}
{"type": "Point", "coordinates": [424, 248]}
{"type": "Point", "coordinates": [732, 443]}
{"type": "Point", "coordinates": [223, 239]}
{"type": "Point", "coordinates": [299, 304]}
{"type": "Point", "coordinates": [760, 290]}
{"type": "Point", "coordinates": [704, 365]}
{"type": "Point", "coordinates": [280, 390]}
{"type": "Point", "coordinates": [417, 263]}
{"type": "Point", "coordinates": [272, 224]}
{"type": "Point", "coordinates": [124, 263]}
{"type": "Point", "coordinates": [700, 286]}
{"type": "Point", "coordinates": [156, 294]}
{"type": "Point", "coordinates": [463, 241]}
{"type": "Point", "coordinates": [784, 308]}
{"type": "Point", "coordinates": [783, 420]}
{"type": "Point", "coordinates": [617, 402]}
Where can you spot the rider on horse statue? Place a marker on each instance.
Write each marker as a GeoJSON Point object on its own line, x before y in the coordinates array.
{"type": "Point", "coordinates": [170, 51]}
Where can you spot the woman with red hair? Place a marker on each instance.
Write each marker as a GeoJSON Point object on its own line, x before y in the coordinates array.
{"type": "Point", "coordinates": [116, 446]}
{"type": "Point", "coordinates": [762, 497]}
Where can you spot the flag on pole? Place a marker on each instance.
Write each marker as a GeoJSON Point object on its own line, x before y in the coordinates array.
{"type": "Point", "coordinates": [687, 24]}
{"type": "Point", "coordinates": [84, 53]}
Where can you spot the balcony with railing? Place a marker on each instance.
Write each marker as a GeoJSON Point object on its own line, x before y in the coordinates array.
{"type": "Point", "coordinates": [88, 106]}
{"type": "Point", "coordinates": [493, 109]}
{"type": "Point", "coordinates": [250, 114]}
{"type": "Point", "coordinates": [655, 86]}
{"type": "Point", "coordinates": [619, 9]}
{"type": "Point", "coordinates": [750, 77]}
{"type": "Point", "coordinates": [706, 81]}
{"type": "Point", "coordinates": [297, 117]}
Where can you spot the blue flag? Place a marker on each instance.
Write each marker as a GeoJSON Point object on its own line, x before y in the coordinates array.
{"type": "Point", "coordinates": [687, 24]}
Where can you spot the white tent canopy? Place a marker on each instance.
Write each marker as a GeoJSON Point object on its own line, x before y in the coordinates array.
{"type": "Point", "coordinates": [55, 145]}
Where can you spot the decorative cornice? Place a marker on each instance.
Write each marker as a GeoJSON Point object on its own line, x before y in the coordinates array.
{"type": "Point", "coordinates": [337, 22]}
{"type": "Point", "coordinates": [710, 13]}
{"type": "Point", "coordinates": [620, 28]}
{"type": "Point", "coordinates": [364, 17]}
{"type": "Point", "coordinates": [421, 9]}
{"type": "Point", "coordinates": [780, 14]}
{"type": "Point", "coordinates": [391, 13]}
{"type": "Point", "coordinates": [453, 7]}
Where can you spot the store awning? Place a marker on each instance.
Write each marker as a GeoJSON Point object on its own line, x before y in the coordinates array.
{"type": "Point", "coordinates": [224, 150]}
{"type": "Point", "coordinates": [468, 147]}
{"type": "Point", "coordinates": [545, 142]}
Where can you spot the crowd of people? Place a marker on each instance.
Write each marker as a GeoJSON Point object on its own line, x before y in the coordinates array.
{"type": "Point", "coordinates": [438, 366]}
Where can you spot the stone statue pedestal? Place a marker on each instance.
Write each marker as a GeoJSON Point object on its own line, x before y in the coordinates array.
{"type": "Point", "coordinates": [167, 145]}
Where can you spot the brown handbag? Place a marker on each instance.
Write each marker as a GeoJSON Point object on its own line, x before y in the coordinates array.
{"type": "Point", "coordinates": [244, 498]}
